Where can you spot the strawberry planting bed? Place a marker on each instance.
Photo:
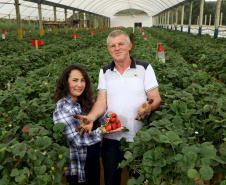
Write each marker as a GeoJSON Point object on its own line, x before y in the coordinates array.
{"type": "Point", "coordinates": [183, 143]}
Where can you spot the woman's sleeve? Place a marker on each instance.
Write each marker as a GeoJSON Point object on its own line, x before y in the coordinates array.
{"type": "Point", "coordinates": [101, 120]}
{"type": "Point", "coordinates": [73, 137]}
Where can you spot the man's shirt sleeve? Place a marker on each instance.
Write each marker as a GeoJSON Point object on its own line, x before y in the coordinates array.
{"type": "Point", "coordinates": [150, 81]}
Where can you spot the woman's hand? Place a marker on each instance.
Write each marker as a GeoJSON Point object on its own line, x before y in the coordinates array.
{"type": "Point", "coordinates": [85, 124]}
{"type": "Point", "coordinates": [113, 131]}
{"type": "Point", "coordinates": [144, 110]}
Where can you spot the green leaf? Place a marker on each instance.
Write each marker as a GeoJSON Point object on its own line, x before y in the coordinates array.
{"type": "Point", "coordinates": [157, 153]}
{"type": "Point", "coordinates": [48, 162]}
{"type": "Point", "coordinates": [174, 137]}
{"type": "Point", "coordinates": [56, 135]}
{"type": "Point", "coordinates": [145, 136]}
{"type": "Point", "coordinates": [159, 163]}
{"type": "Point", "coordinates": [193, 174]}
{"type": "Point", "coordinates": [183, 107]}
{"type": "Point", "coordinates": [164, 139]}
{"type": "Point", "coordinates": [208, 150]}
{"type": "Point", "coordinates": [157, 171]}
{"type": "Point", "coordinates": [19, 149]}
{"type": "Point", "coordinates": [44, 178]}
{"type": "Point", "coordinates": [59, 127]}
{"type": "Point", "coordinates": [174, 107]}
{"type": "Point", "coordinates": [206, 172]}
{"type": "Point", "coordinates": [43, 142]}
{"type": "Point", "coordinates": [32, 154]}
{"type": "Point", "coordinates": [149, 154]}
{"type": "Point", "coordinates": [140, 179]}
{"type": "Point", "coordinates": [222, 149]}
{"type": "Point", "coordinates": [15, 172]}
{"type": "Point", "coordinates": [20, 178]}
{"type": "Point", "coordinates": [61, 163]}
{"type": "Point", "coordinates": [33, 130]}
{"type": "Point", "coordinates": [1, 167]}
{"type": "Point", "coordinates": [132, 181]}
{"type": "Point", "coordinates": [157, 180]}
{"type": "Point", "coordinates": [178, 157]}
{"type": "Point", "coordinates": [128, 155]}
{"type": "Point", "coordinates": [24, 170]}
{"type": "Point", "coordinates": [44, 132]}
{"type": "Point", "coordinates": [40, 170]}
{"type": "Point", "coordinates": [136, 151]}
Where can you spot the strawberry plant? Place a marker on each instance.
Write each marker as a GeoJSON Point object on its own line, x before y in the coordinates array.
{"type": "Point", "coordinates": [33, 155]}
{"type": "Point", "coordinates": [183, 141]}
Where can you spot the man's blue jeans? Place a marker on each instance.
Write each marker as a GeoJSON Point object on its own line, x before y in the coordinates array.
{"type": "Point", "coordinates": [111, 157]}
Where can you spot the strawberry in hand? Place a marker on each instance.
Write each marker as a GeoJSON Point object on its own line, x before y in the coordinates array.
{"type": "Point", "coordinates": [112, 124]}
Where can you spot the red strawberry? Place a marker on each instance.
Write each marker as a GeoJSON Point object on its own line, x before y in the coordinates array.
{"type": "Point", "coordinates": [113, 115]}
{"type": "Point", "coordinates": [112, 120]}
{"type": "Point", "coordinates": [119, 125]}
{"type": "Point", "coordinates": [108, 127]}
{"type": "Point", "coordinates": [117, 121]}
{"type": "Point", "coordinates": [114, 126]}
{"type": "Point", "coordinates": [107, 120]}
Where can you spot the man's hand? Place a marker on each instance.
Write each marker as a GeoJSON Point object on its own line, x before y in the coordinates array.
{"type": "Point", "coordinates": [144, 110]}
{"type": "Point", "coordinates": [85, 125]}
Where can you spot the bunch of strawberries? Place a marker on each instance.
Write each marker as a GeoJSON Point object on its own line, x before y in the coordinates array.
{"type": "Point", "coordinates": [112, 122]}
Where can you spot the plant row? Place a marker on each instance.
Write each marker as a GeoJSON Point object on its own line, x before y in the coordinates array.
{"type": "Point", "coordinates": [20, 57]}
{"type": "Point", "coordinates": [171, 148]}
{"type": "Point", "coordinates": [208, 54]}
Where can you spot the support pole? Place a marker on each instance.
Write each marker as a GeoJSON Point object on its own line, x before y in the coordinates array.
{"type": "Point", "coordinates": [85, 23]}
{"type": "Point", "coordinates": [55, 20]}
{"type": "Point", "coordinates": [29, 22]}
{"type": "Point", "coordinates": [40, 20]}
{"type": "Point", "coordinates": [176, 18]}
{"type": "Point", "coordinates": [221, 18]}
{"type": "Point", "coordinates": [182, 17]}
{"type": "Point", "coordinates": [172, 21]}
{"type": "Point", "coordinates": [66, 28]}
{"type": "Point", "coordinates": [210, 20]}
{"type": "Point", "coordinates": [201, 16]}
{"type": "Point", "coordinates": [19, 29]}
{"type": "Point", "coordinates": [168, 15]}
{"type": "Point", "coordinates": [74, 18]}
{"type": "Point", "coordinates": [165, 22]}
{"type": "Point", "coordinates": [217, 16]}
{"type": "Point", "coordinates": [205, 19]}
{"type": "Point", "coordinates": [190, 16]}
{"type": "Point", "coordinates": [10, 24]}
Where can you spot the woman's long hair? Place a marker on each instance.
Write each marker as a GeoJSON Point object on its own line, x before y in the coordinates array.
{"type": "Point", "coordinates": [86, 99]}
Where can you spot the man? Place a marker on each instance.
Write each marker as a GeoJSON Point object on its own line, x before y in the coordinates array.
{"type": "Point", "coordinates": [124, 87]}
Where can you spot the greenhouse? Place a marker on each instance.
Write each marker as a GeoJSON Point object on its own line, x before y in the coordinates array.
{"type": "Point", "coordinates": [123, 92]}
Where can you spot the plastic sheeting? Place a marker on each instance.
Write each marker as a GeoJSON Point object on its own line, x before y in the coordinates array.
{"type": "Point", "coordinates": [106, 8]}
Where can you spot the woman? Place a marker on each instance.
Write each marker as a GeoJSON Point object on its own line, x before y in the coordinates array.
{"type": "Point", "coordinates": [74, 95]}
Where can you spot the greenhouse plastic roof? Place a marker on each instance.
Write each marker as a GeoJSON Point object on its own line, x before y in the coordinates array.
{"type": "Point", "coordinates": [106, 8]}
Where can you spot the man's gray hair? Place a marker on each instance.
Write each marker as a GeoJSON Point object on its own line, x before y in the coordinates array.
{"type": "Point", "coordinates": [117, 33]}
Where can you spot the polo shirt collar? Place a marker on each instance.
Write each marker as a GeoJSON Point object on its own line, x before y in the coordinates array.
{"type": "Point", "coordinates": [133, 64]}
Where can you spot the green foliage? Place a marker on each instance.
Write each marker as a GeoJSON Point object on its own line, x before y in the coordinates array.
{"type": "Point", "coordinates": [185, 139]}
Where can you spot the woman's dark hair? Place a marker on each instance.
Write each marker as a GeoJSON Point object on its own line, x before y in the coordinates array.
{"type": "Point", "coordinates": [86, 99]}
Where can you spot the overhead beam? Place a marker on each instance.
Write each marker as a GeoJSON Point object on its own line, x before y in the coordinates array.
{"type": "Point", "coordinates": [176, 6]}
{"type": "Point", "coordinates": [61, 6]}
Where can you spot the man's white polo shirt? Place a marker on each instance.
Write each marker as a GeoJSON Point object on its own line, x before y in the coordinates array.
{"type": "Point", "coordinates": [126, 92]}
